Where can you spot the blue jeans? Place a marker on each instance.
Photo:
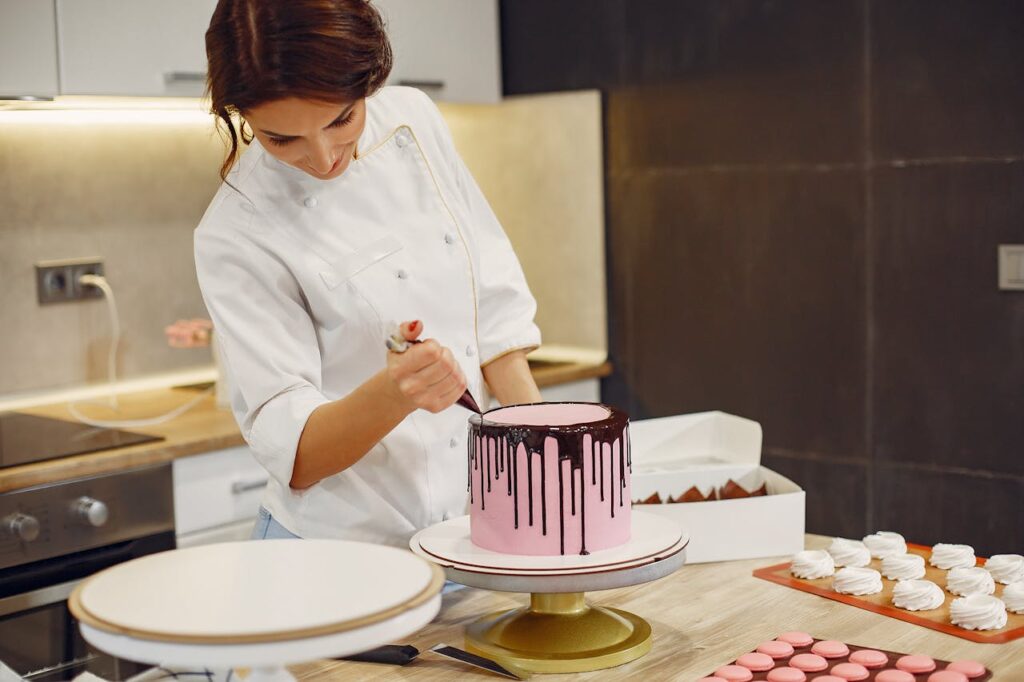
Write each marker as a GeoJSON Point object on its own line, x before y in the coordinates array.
{"type": "Point", "coordinates": [267, 528]}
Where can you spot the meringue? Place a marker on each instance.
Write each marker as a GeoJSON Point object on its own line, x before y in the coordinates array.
{"type": "Point", "coordinates": [917, 595]}
{"type": "Point", "coordinates": [965, 581]}
{"type": "Point", "coordinates": [903, 567]}
{"type": "Point", "coordinates": [812, 563]}
{"type": "Point", "coordinates": [1006, 568]}
{"type": "Point", "coordinates": [885, 543]}
{"type": "Point", "coordinates": [1013, 597]}
{"type": "Point", "coordinates": [854, 580]}
{"type": "Point", "coordinates": [952, 556]}
{"type": "Point", "coordinates": [978, 612]}
{"type": "Point", "coordinates": [849, 552]}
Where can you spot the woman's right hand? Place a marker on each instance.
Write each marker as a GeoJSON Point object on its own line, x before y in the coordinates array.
{"type": "Point", "coordinates": [426, 375]}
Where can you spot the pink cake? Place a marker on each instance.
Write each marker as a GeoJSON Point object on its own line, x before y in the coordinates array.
{"type": "Point", "coordinates": [549, 478]}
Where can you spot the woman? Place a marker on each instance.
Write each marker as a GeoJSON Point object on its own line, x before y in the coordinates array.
{"type": "Point", "coordinates": [349, 210]}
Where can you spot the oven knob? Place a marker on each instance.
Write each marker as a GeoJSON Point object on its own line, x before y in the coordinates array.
{"type": "Point", "coordinates": [91, 512]}
{"type": "Point", "coordinates": [22, 526]}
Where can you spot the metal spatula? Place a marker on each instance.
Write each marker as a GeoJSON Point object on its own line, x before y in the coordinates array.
{"type": "Point", "coordinates": [395, 654]}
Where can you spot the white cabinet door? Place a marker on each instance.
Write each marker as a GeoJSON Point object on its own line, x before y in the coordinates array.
{"type": "Point", "coordinates": [28, 49]}
{"type": "Point", "coordinates": [583, 391]}
{"type": "Point", "coordinates": [217, 489]}
{"type": "Point", "coordinates": [448, 48]}
{"type": "Point", "coordinates": [133, 47]}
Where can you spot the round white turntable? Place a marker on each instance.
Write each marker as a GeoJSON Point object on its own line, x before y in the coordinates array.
{"type": "Point", "coordinates": [559, 631]}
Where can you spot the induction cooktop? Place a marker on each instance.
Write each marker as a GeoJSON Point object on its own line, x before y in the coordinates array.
{"type": "Point", "coordinates": [26, 438]}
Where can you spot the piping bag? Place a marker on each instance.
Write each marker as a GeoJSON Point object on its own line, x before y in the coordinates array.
{"type": "Point", "coordinates": [397, 343]}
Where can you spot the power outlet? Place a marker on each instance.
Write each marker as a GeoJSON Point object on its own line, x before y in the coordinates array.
{"type": "Point", "coordinates": [57, 280]}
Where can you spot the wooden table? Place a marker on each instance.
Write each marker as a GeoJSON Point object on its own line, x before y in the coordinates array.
{"type": "Point", "coordinates": [703, 616]}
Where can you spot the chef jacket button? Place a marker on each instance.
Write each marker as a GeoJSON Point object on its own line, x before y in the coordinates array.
{"type": "Point", "coordinates": [453, 443]}
{"type": "Point", "coordinates": [470, 351]}
{"type": "Point", "coordinates": [402, 138]}
{"type": "Point", "coordinates": [402, 274]}
{"type": "Point", "coordinates": [449, 238]}
{"type": "Point", "coordinates": [310, 202]}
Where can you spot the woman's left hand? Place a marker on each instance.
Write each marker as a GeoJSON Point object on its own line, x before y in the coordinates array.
{"type": "Point", "coordinates": [193, 333]}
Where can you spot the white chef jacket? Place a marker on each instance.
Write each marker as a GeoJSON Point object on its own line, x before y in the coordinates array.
{"type": "Point", "coordinates": [303, 278]}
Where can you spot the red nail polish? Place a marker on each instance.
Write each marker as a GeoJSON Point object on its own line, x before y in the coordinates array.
{"type": "Point", "coordinates": [413, 325]}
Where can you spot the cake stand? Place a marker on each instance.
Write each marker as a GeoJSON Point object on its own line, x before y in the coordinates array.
{"type": "Point", "coordinates": [260, 605]}
{"type": "Point", "coordinates": [559, 631]}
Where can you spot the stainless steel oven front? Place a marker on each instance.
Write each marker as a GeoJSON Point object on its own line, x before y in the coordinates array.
{"type": "Point", "coordinates": [53, 536]}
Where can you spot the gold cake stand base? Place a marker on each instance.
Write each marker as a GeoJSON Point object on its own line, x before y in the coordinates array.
{"type": "Point", "coordinates": [560, 633]}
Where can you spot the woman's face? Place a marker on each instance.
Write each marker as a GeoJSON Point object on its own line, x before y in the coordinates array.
{"type": "Point", "coordinates": [316, 137]}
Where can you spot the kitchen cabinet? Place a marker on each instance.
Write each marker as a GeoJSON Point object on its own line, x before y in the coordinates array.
{"type": "Point", "coordinates": [586, 391]}
{"type": "Point", "coordinates": [136, 47]}
{"type": "Point", "coordinates": [448, 48]}
{"type": "Point", "coordinates": [28, 49]}
{"type": "Point", "coordinates": [216, 496]}
{"type": "Point", "coordinates": [151, 48]}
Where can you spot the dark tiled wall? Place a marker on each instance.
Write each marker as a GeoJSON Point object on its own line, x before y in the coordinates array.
{"type": "Point", "coordinates": [804, 202]}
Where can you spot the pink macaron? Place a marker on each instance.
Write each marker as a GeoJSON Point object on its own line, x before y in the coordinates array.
{"type": "Point", "coordinates": [892, 675]}
{"type": "Point", "coordinates": [916, 663]}
{"type": "Point", "coordinates": [830, 648]}
{"type": "Point", "coordinates": [776, 649]}
{"type": "Point", "coordinates": [734, 673]}
{"type": "Point", "coordinates": [809, 663]}
{"type": "Point", "coordinates": [850, 671]}
{"type": "Point", "coordinates": [869, 658]}
{"type": "Point", "coordinates": [971, 669]}
{"type": "Point", "coordinates": [755, 661]}
{"type": "Point", "coordinates": [785, 674]}
{"type": "Point", "coordinates": [947, 676]}
{"type": "Point", "coordinates": [796, 638]}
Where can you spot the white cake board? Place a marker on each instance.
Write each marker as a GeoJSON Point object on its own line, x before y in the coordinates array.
{"type": "Point", "coordinates": [260, 605]}
{"type": "Point", "coordinates": [268, 658]}
{"type": "Point", "coordinates": [657, 548]}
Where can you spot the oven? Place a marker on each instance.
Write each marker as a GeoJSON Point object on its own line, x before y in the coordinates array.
{"type": "Point", "coordinates": [53, 536]}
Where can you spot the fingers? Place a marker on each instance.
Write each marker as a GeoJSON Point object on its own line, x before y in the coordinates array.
{"type": "Point", "coordinates": [448, 398]}
{"type": "Point", "coordinates": [427, 375]}
{"type": "Point", "coordinates": [421, 355]}
{"type": "Point", "coordinates": [411, 330]}
{"type": "Point", "coordinates": [188, 333]}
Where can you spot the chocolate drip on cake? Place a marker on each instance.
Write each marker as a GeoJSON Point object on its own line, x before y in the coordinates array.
{"type": "Point", "coordinates": [487, 466]}
{"type": "Point", "coordinates": [506, 439]}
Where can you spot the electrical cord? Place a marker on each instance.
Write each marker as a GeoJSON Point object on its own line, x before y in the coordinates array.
{"type": "Point", "coordinates": [103, 285]}
{"type": "Point", "coordinates": [115, 329]}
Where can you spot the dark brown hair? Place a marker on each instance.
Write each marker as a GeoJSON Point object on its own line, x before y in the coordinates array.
{"type": "Point", "coordinates": [259, 51]}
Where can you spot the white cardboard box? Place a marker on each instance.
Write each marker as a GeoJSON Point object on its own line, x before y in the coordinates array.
{"type": "Point", "coordinates": [706, 449]}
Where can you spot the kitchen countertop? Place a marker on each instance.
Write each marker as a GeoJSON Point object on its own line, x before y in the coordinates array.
{"type": "Point", "coordinates": [204, 428]}
{"type": "Point", "coordinates": [703, 617]}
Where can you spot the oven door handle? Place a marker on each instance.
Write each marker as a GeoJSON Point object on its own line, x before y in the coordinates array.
{"type": "Point", "coordinates": [44, 596]}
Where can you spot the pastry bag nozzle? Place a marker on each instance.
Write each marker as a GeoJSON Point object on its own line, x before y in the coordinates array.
{"type": "Point", "coordinates": [397, 343]}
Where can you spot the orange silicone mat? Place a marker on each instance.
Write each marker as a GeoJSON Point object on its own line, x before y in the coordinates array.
{"type": "Point", "coordinates": [936, 619]}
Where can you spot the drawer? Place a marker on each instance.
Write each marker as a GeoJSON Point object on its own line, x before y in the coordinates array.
{"type": "Point", "coordinates": [216, 489]}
